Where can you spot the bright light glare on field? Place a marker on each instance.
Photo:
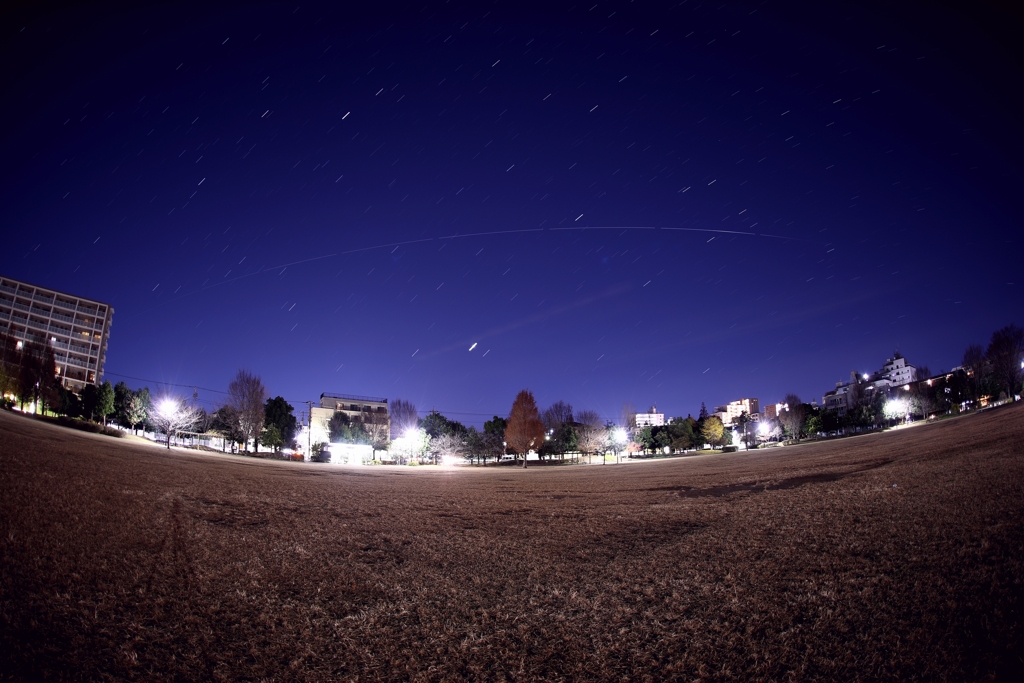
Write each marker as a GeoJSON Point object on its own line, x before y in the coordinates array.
{"type": "Point", "coordinates": [763, 427]}
{"type": "Point", "coordinates": [895, 408]}
{"type": "Point", "coordinates": [449, 460]}
{"type": "Point", "coordinates": [619, 435]}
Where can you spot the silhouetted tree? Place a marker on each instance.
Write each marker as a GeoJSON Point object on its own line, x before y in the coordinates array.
{"type": "Point", "coordinates": [247, 396]}
{"type": "Point", "coordinates": [974, 365]}
{"type": "Point", "coordinates": [1005, 353]}
{"type": "Point", "coordinates": [278, 413]}
{"type": "Point", "coordinates": [557, 414]}
{"type": "Point", "coordinates": [403, 417]}
{"type": "Point", "coordinates": [792, 415]}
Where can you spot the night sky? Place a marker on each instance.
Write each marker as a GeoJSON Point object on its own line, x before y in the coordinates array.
{"type": "Point", "coordinates": [612, 203]}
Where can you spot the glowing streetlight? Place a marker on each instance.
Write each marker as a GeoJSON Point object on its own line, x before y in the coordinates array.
{"type": "Point", "coordinates": [168, 408]}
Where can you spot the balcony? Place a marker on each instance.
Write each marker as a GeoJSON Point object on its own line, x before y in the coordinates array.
{"type": "Point", "coordinates": [64, 318]}
{"type": "Point", "coordinates": [70, 360]}
{"type": "Point", "coordinates": [21, 307]}
{"type": "Point", "coordinates": [9, 290]}
{"type": "Point", "coordinates": [64, 304]}
{"type": "Point", "coordinates": [43, 299]}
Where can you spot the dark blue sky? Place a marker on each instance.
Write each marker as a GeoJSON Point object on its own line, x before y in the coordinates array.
{"type": "Point", "coordinates": [615, 204]}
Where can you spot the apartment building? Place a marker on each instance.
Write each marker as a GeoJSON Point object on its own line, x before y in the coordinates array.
{"type": "Point", "coordinates": [362, 408]}
{"type": "Point", "coordinates": [730, 411]}
{"type": "Point", "coordinates": [652, 418]}
{"type": "Point", "coordinates": [77, 328]}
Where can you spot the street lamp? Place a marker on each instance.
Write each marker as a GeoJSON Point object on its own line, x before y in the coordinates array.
{"type": "Point", "coordinates": [619, 437]}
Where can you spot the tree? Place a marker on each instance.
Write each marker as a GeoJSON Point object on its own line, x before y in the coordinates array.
{"type": "Point", "coordinates": [680, 431]}
{"type": "Point", "coordinates": [645, 437]}
{"type": "Point", "coordinates": [344, 429]}
{"type": "Point", "coordinates": [278, 413]}
{"type": "Point", "coordinates": [712, 430]}
{"type": "Point", "coordinates": [591, 432]}
{"type": "Point", "coordinates": [744, 422]}
{"type": "Point", "coordinates": [703, 414]}
{"type": "Point", "coordinates": [172, 416]}
{"type": "Point", "coordinates": [68, 403]}
{"type": "Point", "coordinates": [556, 415]}
{"type": "Point", "coordinates": [8, 364]}
{"type": "Point", "coordinates": [37, 370]}
{"type": "Point", "coordinates": [105, 401]}
{"type": "Point", "coordinates": [138, 408]}
{"type": "Point", "coordinates": [122, 397]}
{"type": "Point", "coordinates": [814, 425]}
{"type": "Point", "coordinates": [413, 444]}
{"type": "Point", "coordinates": [792, 415]}
{"type": "Point", "coordinates": [271, 437]}
{"type": "Point", "coordinates": [226, 423]}
{"type": "Point", "coordinates": [377, 428]}
{"type": "Point", "coordinates": [496, 425]}
{"type": "Point", "coordinates": [494, 438]}
{"type": "Point", "coordinates": [90, 399]}
{"type": "Point", "coordinates": [628, 417]}
{"type": "Point", "coordinates": [403, 417]}
{"type": "Point", "coordinates": [247, 396]}
{"type": "Point", "coordinates": [447, 446]}
{"type": "Point", "coordinates": [525, 431]}
{"type": "Point", "coordinates": [437, 424]}
{"type": "Point", "coordinates": [974, 365]}
{"type": "Point", "coordinates": [1006, 353]}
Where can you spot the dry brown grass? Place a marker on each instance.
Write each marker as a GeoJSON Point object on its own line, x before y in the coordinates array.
{"type": "Point", "coordinates": [893, 556]}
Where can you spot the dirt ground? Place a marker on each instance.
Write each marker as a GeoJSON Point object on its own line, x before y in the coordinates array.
{"type": "Point", "coordinates": [895, 556]}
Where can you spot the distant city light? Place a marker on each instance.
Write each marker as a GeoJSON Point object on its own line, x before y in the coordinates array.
{"type": "Point", "coordinates": [865, 375]}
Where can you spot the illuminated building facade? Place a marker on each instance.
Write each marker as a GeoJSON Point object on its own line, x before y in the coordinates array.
{"type": "Point", "coordinates": [75, 327]}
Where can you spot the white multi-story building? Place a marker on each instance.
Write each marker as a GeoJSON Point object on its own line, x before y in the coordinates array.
{"type": "Point", "coordinates": [361, 408]}
{"type": "Point", "coordinates": [652, 418]}
{"type": "Point", "coordinates": [896, 372]}
{"type": "Point", "coordinates": [731, 411]}
{"type": "Point", "coordinates": [76, 328]}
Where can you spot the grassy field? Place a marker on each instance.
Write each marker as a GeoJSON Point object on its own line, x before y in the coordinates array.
{"type": "Point", "coordinates": [894, 556]}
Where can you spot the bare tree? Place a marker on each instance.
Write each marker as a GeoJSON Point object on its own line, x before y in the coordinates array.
{"type": "Point", "coordinates": [247, 395]}
{"type": "Point", "coordinates": [557, 415]}
{"type": "Point", "coordinates": [792, 415]}
{"type": "Point", "coordinates": [403, 417]}
{"type": "Point", "coordinates": [378, 428]}
{"type": "Point", "coordinates": [974, 365]}
{"type": "Point", "coordinates": [591, 431]}
{"type": "Point", "coordinates": [1006, 354]}
{"type": "Point", "coordinates": [525, 431]}
{"type": "Point", "coordinates": [628, 417]}
{"type": "Point", "coordinates": [447, 445]}
{"type": "Point", "coordinates": [173, 415]}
